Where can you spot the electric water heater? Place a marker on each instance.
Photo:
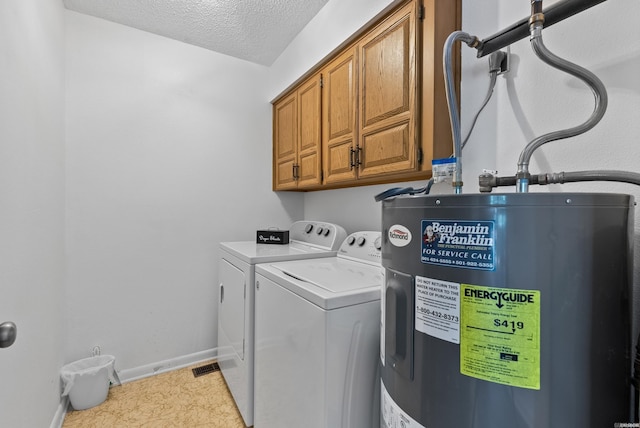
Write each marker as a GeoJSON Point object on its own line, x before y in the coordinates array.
{"type": "Point", "coordinates": [507, 310]}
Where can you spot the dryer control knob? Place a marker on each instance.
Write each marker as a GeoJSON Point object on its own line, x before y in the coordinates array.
{"type": "Point", "coordinates": [320, 230]}
{"type": "Point", "coordinates": [351, 240]}
{"type": "Point", "coordinates": [361, 241]}
{"type": "Point", "coordinates": [327, 231]}
{"type": "Point", "coordinates": [308, 228]}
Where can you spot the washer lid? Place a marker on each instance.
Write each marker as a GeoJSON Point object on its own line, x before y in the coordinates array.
{"type": "Point", "coordinates": [252, 253]}
{"type": "Point", "coordinates": [329, 282]}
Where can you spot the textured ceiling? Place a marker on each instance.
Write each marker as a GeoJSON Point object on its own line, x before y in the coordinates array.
{"type": "Point", "coordinates": [253, 30]}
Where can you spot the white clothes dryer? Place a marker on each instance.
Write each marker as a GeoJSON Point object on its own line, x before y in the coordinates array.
{"type": "Point", "coordinates": [318, 337]}
{"type": "Point", "coordinates": [308, 239]}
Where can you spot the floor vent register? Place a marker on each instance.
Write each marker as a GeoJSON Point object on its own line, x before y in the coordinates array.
{"type": "Point", "coordinates": [206, 369]}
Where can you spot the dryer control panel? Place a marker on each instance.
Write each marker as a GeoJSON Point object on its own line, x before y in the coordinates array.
{"type": "Point", "coordinates": [322, 234]}
{"type": "Point", "coordinates": [364, 246]}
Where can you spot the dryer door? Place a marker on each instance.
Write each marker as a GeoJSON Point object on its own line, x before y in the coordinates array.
{"type": "Point", "coordinates": [231, 307]}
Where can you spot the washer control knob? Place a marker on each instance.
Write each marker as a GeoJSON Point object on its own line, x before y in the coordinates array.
{"type": "Point", "coordinates": [378, 244]}
{"type": "Point", "coordinates": [320, 230]}
{"type": "Point", "coordinates": [327, 231]}
{"type": "Point", "coordinates": [351, 240]}
{"type": "Point", "coordinates": [308, 228]}
{"type": "Point", "coordinates": [361, 241]}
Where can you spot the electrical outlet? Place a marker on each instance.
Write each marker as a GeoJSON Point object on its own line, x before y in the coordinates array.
{"type": "Point", "coordinates": [499, 61]}
{"type": "Point", "coordinates": [505, 65]}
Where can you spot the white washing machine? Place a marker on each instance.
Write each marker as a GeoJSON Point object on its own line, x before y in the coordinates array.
{"type": "Point", "coordinates": [308, 239]}
{"type": "Point", "coordinates": [318, 337]}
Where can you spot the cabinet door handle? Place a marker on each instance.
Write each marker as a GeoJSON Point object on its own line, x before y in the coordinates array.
{"type": "Point", "coordinates": [352, 158]}
{"type": "Point", "coordinates": [296, 171]}
{"type": "Point", "coordinates": [359, 156]}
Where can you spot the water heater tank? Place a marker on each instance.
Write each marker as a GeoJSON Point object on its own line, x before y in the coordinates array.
{"type": "Point", "coordinates": [507, 310]}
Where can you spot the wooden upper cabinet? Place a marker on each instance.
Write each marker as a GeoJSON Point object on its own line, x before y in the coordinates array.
{"type": "Point", "coordinates": [296, 137]}
{"type": "Point", "coordinates": [375, 110]}
{"type": "Point", "coordinates": [370, 103]}
{"type": "Point", "coordinates": [285, 142]}
{"type": "Point", "coordinates": [388, 96]}
{"type": "Point", "coordinates": [339, 118]}
{"type": "Point", "coordinates": [308, 172]}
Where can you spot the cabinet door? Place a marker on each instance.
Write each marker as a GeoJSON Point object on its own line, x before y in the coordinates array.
{"type": "Point", "coordinates": [285, 142]}
{"type": "Point", "coordinates": [339, 118]}
{"type": "Point", "coordinates": [388, 96]}
{"type": "Point", "coordinates": [309, 142]}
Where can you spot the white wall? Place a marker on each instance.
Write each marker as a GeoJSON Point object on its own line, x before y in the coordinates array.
{"type": "Point", "coordinates": [31, 208]}
{"type": "Point", "coordinates": [168, 153]}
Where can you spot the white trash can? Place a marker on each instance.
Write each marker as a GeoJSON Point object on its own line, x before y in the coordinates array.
{"type": "Point", "coordinates": [86, 381]}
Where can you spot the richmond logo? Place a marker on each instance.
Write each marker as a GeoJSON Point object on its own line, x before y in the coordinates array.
{"type": "Point", "coordinates": [399, 235]}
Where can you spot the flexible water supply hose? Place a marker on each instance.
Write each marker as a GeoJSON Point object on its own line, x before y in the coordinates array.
{"type": "Point", "coordinates": [454, 117]}
{"type": "Point", "coordinates": [595, 84]}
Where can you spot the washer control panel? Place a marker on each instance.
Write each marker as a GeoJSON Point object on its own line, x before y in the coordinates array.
{"type": "Point", "coordinates": [365, 245]}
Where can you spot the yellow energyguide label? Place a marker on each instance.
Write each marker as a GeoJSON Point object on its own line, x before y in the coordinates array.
{"type": "Point", "coordinates": [500, 335]}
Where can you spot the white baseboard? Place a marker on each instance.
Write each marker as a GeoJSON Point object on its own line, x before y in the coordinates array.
{"type": "Point", "coordinates": [58, 418]}
{"type": "Point", "coordinates": [141, 372]}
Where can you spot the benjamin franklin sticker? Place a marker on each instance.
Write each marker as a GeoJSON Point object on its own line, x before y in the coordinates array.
{"type": "Point", "coordinates": [458, 243]}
